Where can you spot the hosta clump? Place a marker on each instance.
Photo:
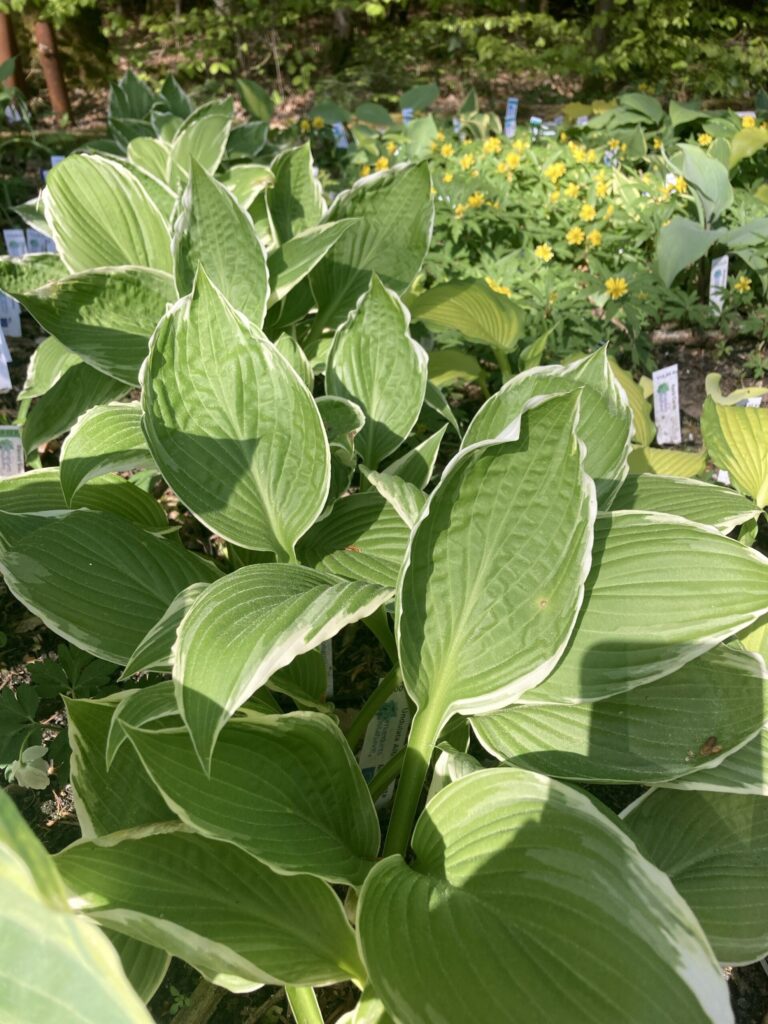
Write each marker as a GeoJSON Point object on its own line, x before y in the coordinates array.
{"type": "Point", "coordinates": [589, 626]}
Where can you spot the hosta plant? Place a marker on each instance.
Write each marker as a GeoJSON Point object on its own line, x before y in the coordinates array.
{"type": "Point", "coordinates": [556, 624]}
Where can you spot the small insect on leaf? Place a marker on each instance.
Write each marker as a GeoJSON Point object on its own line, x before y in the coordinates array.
{"type": "Point", "coordinates": [710, 746]}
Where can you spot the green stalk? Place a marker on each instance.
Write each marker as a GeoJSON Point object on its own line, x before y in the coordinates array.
{"type": "Point", "coordinates": [421, 743]}
{"type": "Point", "coordinates": [386, 774]}
{"type": "Point", "coordinates": [380, 695]}
{"type": "Point", "coordinates": [303, 1004]}
{"type": "Point", "coordinates": [502, 360]}
{"type": "Point", "coordinates": [378, 623]}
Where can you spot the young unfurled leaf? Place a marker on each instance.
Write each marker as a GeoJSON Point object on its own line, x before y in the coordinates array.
{"type": "Point", "coordinates": [203, 138]}
{"type": "Point", "coordinates": [512, 868]}
{"type": "Point", "coordinates": [98, 580]}
{"type": "Point", "coordinates": [214, 905]}
{"type": "Point", "coordinates": [304, 807]}
{"type": "Point", "coordinates": [106, 439]}
{"type": "Point", "coordinates": [653, 733]}
{"type": "Point", "coordinates": [213, 231]}
{"type": "Point", "coordinates": [375, 363]}
{"type": "Point", "coordinates": [714, 847]}
{"type": "Point", "coordinates": [662, 591]}
{"type": "Point", "coordinates": [101, 216]}
{"type": "Point", "coordinates": [605, 421]}
{"type": "Point", "coordinates": [253, 622]}
{"type": "Point", "coordinates": [232, 428]}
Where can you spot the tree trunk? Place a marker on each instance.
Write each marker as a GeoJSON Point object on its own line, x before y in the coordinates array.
{"type": "Point", "coordinates": [8, 49]}
{"type": "Point", "coordinates": [600, 29]}
{"type": "Point", "coordinates": [51, 65]}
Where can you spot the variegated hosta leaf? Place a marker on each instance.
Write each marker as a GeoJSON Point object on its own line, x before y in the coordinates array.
{"type": "Point", "coordinates": [417, 465]}
{"type": "Point", "coordinates": [472, 307]}
{"type": "Point", "coordinates": [101, 216]}
{"type": "Point", "coordinates": [406, 499]}
{"type": "Point", "coordinates": [296, 257]}
{"type": "Point", "coordinates": [145, 966]}
{"type": "Point", "coordinates": [361, 538]}
{"type": "Point", "coordinates": [214, 232]}
{"type": "Point", "coordinates": [30, 272]}
{"type": "Point", "coordinates": [150, 155]}
{"type": "Point", "coordinates": [714, 847]}
{"type": "Point", "coordinates": [667, 462]}
{"type": "Point", "coordinates": [54, 965]}
{"type": "Point", "coordinates": [294, 354]}
{"type": "Point", "coordinates": [48, 364]}
{"type": "Point", "coordinates": [745, 771]}
{"type": "Point", "coordinates": [391, 239]}
{"type": "Point", "coordinates": [252, 623]}
{"type": "Point", "coordinates": [155, 652]}
{"type": "Point", "coordinates": [203, 138]}
{"type": "Point", "coordinates": [105, 315]}
{"type": "Point", "coordinates": [697, 716]}
{"type": "Point", "coordinates": [662, 591]}
{"type": "Point", "coordinates": [246, 181]}
{"type": "Point", "coordinates": [215, 906]}
{"type": "Point", "coordinates": [95, 785]}
{"type": "Point", "coordinates": [737, 441]}
{"type": "Point", "coordinates": [232, 428]}
{"type": "Point", "coordinates": [302, 804]}
{"type": "Point", "coordinates": [486, 603]}
{"type": "Point", "coordinates": [736, 397]}
{"type": "Point", "coordinates": [295, 200]}
{"type": "Point", "coordinates": [106, 439]}
{"type": "Point", "coordinates": [41, 491]}
{"type": "Point", "coordinates": [374, 362]}
{"type": "Point", "coordinates": [523, 894]}
{"type": "Point", "coordinates": [701, 502]}
{"type": "Point", "coordinates": [99, 581]}
{"type": "Point", "coordinates": [605, 421]}
{"type": "Point", "coordinates": [139, 708]}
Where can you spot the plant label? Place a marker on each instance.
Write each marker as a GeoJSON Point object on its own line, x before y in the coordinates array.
{"type": "Point", "coordinates": [535, 123]}
{"type": "Point", "coordinates": [386, 734]}
{"type": "Point", "coordinates": [722, 476]}
{"type": "Point", "coordinates": [11, 449]}
{"type": "Point", "coordinates": [37, 241]}
{"type": "Point", "coordinates": [582, 120]}
{"type": "Point", "coordinates": [340, 135]}
{"type": "Point", "coordinates": [718, 279]}
{"type": "Point", "coordinates": [5, 377]}
{"type": "Point", "coordinates": [407, 115]}
{"type": "Point", "coordinates": [10, 316]}
{"type": "Point", "coordinates": [666, 405]}
{"type": "Point", "coordinates": [5, 352]}
{"type": "Point", "coordinates": [510, 116]}
{"type": "Point", "coordinates": [15, 242]}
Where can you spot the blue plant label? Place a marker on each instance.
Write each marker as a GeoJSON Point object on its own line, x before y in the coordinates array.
{"type": "Point", "coordinates": [510, 116]}
{"type": "Point", "coordinates": [15, 242]}
{"type": "Point", "coordinates": [340, 135]}
{"type": "Point", "coordinates": [10, 316]}
{"type": "Point", "coordinates": [407, 115]}
{"type": "Point", "coordinates": [38, 242]}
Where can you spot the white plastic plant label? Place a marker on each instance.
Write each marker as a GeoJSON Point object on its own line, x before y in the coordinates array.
{"type": "Point", "coordinates": [5, 352]}
{"type": "Point", "coordinates": [11, 452]}
{"type": "Point", "coordinates": [666, 405]}
{"type": "Point", "coordinates": [37, 241]}
{"type": "Point", "coordinates": [407, 115]}
{"type": "Point", "coordinates": [340, 135]}
{"type": "Point", "coordinates": [10, 316]}
{"type": "Point", "coordinates": [15, 242]}
{"type": "Point", "coordinates": [5, 377]}
{"type": "Point", "coordinates": [386, 734]}
{"type": "Point", "coordinates": [718, 280]}
{"type": "Point", "coordinates": [510, 116]}
{"type": "Point", "coordinates": [722, 476]}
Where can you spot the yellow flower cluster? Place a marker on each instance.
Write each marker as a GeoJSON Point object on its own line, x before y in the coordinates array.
{"type": "Point", "coordinates": [476, 199]}
{"type": "Point", "coordinates": [742, 284]}
{"type": "Point", "coordinates": [492, 145]}
{"type": "Point", "coordinates": [587, 212]}
{"type": "Point", "coordinates": [466, 161]}
{"type": "Point", "coordinates": [544, 252]}
{"type": "Point", "coordinates": [704, 138]}
{"type": "Point", "coordinates": [617, 287]}
{"type": "Point", "coordinates": [382, 163]}
{"type": "Point", "coordinates": [574, 235]}
{"type": "Point", "coordinates": [555, 171]}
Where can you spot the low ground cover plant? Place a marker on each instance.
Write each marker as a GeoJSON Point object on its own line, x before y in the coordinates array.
{"type": "Point", "coordinates": [558, 621]}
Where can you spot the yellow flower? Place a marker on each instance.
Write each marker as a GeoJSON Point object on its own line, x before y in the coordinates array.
{"type": "Point", "coordinates": [512, 160]}
{"type": "Point", "coordinates": [563, 136]}
{"type": "Point", "coordinates": [496, 287]}
{"type": "Point", "coordinates": [544, 252]}
{"type": "Point", "coordinates": [466, 161]}
{"type": "Point", "coordinates": [519, 145]}
{"type": "Point", "coordinates": [595, 238]}
{"type": "Point", "coordinates": [433, 146]}
{"type": "Point", "coordinates": [613, 144]}
{"type": "Point", "coordinates": [318, 122]}
{"type": "Point", "coordinates": [624, 147]}
{"type": "Point", "coordinates": [365, 170]}
{"type": "Point", "coordinates": [555, 171]}
{"type": "Point", "coordinates": [492, 145]}
{"type": "Point", "coordinates": [447, 177]}
{"type": "Point", "coordinates": [742, 284]}
{"type": "Point", "coordinates": [602, 189]}
{"type": "Point", "coordinates": [572, 190]}
{"type": "Point", "coordinates": [440, 136]}
{"type": "Point", "coordinates": [657, 143]}
{"type": "Point", "coordinates": [609, 211]}
{"type": "Point", "coordinates": [704, 138]}
{"type": "Point", "coordinates": [475, 174]}
{"type": "Point", "coordinates": [554, 195]}
{"type": "Point", "coordinates": [617, 287]}
{"type": "Point", "coordinates": [574, 235]}
{"type": "Point", "coordinates": [681, 184]}
{"type": "Point", "coordinates": [476, 199]}
{"type": "Point", "coordinates": [587, 212]}
{"type": "Point", "coordinates": [382, 163]}
{"type": "Point", "coordinates": [460, 210]}
{"type": "Point", "coordinates": [501, 167]}
{"type": "Point", "coordinates": [591, 156]}
{"type": "Point", "coordinates": [748, 121]}
{"type": "Point", "coordinates": [304, 125]}
{"type": "Point", "coordinates": [578, 151]}
{"type": "Point", "coordinates": [391, 147]}
{"type": "Point", "coordinates": [446, 150]}
{"type": "Point", "coordinates": [466, 142]}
